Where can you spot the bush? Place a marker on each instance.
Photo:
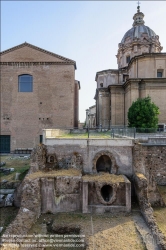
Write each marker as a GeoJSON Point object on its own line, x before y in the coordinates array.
{"type": "Point", "coordinates": [143, 114]}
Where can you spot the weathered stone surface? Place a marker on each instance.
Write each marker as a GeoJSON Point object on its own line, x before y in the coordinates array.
{"type": "Point", "coordinates": [141, 187]}
{"type": "Point", "coordinates": [22, 223]}
{"type": "Point", "coordinates": [150, 161]}
{"type": "Point", "coordinates": [31, 197]}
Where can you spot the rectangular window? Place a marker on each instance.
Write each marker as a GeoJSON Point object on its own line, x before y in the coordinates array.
{"type": "Point", "coordinates": [127, 59]}
{"type": "Point", "coordinates": [41, 139]}
{"type": "Point", "coordinates": [25, 83]}
{"type": "Point", "coordinates": [159, 73]}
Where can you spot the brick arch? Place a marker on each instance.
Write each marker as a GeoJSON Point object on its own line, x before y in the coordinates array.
{"type": "Point", "coordinates": [114, 167]}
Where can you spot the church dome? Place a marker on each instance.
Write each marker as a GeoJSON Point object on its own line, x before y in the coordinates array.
{"type": "Point", "coordinates": [139, 29]}
{"type": "Point", "coordinates": [137, 40]}
{"type": "Point", "coordinates": [137, 32]}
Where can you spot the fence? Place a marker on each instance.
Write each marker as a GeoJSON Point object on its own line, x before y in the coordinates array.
{"type": "Point", "coordinates": [104, 133]}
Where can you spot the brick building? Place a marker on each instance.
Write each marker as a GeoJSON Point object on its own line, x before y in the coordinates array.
{"type": "Point", "coordinates": [141, 72]}
{"type": "Point", "coordinates": [38, 91]}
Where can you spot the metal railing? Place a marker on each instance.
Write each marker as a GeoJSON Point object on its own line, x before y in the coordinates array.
{"type": "Point", "coordinates": [105, 133]}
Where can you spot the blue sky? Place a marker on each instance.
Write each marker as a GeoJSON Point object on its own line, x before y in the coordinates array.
{"type": "Point", "coordinates": [85, 31]}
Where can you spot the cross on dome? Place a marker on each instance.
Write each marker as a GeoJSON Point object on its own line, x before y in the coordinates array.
{"type": "Point", "coordinates": [138, 7]}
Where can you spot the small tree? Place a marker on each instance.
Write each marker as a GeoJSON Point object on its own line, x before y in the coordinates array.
{"type": "Point", "coordinates": [143, 114]}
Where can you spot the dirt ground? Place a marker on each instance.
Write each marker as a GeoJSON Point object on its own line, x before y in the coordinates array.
{"type": "Point", "coordinates": [102, 232]}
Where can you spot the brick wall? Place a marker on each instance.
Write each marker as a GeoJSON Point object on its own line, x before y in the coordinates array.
{"type": "Point", "coordinates": [50, 105]}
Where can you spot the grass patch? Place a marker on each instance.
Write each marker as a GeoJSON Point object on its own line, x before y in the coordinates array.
{"type": "Point", "coordinates": [20, 165]}
{"type": "Point", "coordinates": [54, 173]}
{"type": "Point", "coordinates": [160, 216]}
{"type": "Point", "coordinates": [104, 177]}
{"type": "Point", "coordinates": [162, 190]}
{"type": "Point", "coordinates": [101, 135]}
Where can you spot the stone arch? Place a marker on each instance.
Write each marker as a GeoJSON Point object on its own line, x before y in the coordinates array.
{"type": "Point", "coordinates": [106, 157]}
{"type": "Point", "coordinates": [113, 195]}
{"type": "Point", "coordinates": [51, 158]}
{"type": "Point", "coordinates": [104, 164]}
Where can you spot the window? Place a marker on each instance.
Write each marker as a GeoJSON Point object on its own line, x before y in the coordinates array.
{"type": "Point", "coordinates": [25, 83]}
{"type": "Point", "coordinates": [127, 59]}
{"type": "Point", "coordinates": [101, 85]}
{"type": "Point", "coordinates": [159, 73]}
{"type": "Point", "coordinates": [41, 138]}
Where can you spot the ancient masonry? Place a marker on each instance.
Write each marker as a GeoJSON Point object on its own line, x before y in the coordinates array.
{"type": "Point", "coordinates": [91, 175]}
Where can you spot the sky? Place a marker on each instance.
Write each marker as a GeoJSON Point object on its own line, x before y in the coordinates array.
{"type": "Point", "coordinates": [87, 32]}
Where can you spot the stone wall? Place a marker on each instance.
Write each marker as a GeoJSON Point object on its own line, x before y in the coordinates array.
{"type": "Point", "coordinates": [150, 160]}
{"type": "Point", "coordinates": [120, 151]}
{"type": "Point", "coordinates": [141, 188]}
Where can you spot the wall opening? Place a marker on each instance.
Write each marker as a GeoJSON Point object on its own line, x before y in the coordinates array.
{"type": "Point", "coordinates": [4, 143]}
{"type": "Point", "coordinates": [104, 164]}
{"type": "Point", "coordinates": [106, 192]}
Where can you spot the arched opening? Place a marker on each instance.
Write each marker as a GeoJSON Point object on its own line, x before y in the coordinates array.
{"type": "Point", "coordinates": [106, 192]}
{"type": "Point", "coordinates": [104, 164]}
{"type": "Point", "coordinates": [51, 159]}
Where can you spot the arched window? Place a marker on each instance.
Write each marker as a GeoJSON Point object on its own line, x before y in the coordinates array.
{"type": "Point", "coordinates": [25, 83]}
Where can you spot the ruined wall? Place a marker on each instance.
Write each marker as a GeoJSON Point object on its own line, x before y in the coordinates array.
{"type": "Point", "coordinates": [30, 208]}
{"type": "Point", "coordinates": [141, 188]}
{"type": "Point", "coordinates": [121, 151]}
{"type": "Point", "coordinates": [150, 160]}
{"type": "Point", "coordinates": [94, 197]}
{"type": "Point", "coordinates": [61, 194]}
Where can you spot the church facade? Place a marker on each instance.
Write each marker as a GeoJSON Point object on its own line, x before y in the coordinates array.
{"type": "Point", "coordinates": [141, 72]}
{"type": "Point", "coordinates": [38, 91]}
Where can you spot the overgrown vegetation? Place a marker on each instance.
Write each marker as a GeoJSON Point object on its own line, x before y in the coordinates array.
{"type": "Point", "coordinates": [143, 113]}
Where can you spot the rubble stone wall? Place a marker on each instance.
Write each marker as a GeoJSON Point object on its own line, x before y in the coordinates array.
{"type": "Point", "coordinates": [150, 160]}
{"type": "Point", "coordinates": [141, 187]}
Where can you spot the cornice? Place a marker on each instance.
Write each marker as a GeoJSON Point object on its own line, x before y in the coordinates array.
{"type": "Point", "coordinates": [146, 55]}
{"type": "Point", "coordinates": [144, 80]}
{"type": "Point", "coordinates": [106, 71]}
{"type": "Point", "coordinates": [33, 63]}
{"type": "Point", "coordinates": [115, 86]}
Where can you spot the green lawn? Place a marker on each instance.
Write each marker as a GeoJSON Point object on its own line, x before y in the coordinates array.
{"type": "Point", "coordinates": [101, 135]}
